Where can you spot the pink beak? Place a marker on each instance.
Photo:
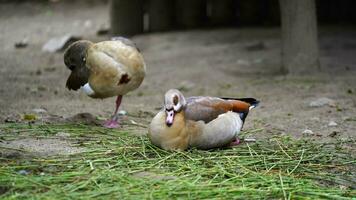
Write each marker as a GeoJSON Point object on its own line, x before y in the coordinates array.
{"type": "Point", "coordinates": [170, 117]}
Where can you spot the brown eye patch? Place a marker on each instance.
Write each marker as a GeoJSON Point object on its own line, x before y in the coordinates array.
{"type": "Point", "coordinates": [175, 100]}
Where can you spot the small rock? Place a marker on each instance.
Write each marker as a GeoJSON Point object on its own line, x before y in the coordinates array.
{"type": "Point", "coordinates": [122, 112]}
{"type": "Point", "coordinates": [12, 118]}
{"type": "Point", "coordinates": [32, 89]}
{"type": "Point", "coordinates": [322, 102]}
{"type": "Point", "coordinates": [84, 118]}
{"type": "Point", "coordinates": [332, 123]}
{"type": "Point", "coordinates": [308, 132]}
{"type": "Point", "coordinates": [243, 62]}
{"type": "Point", "coordinates": [62, 134]}
{"type": "Point", "coordinates": [21, 44]}
{"type": "Point", "coordinates": [59, 43]}
{"type": "Point", "coordinates": [249, 140]}
{"type": "Point", "coordinates": [23, 172]}
{"type": "Point", "coordinates": [39, 110]}
{"type": "Point", "coordinates": [42, 88]}
{"type": "Point", "coordinates": [333, 134]}
{"type": "Point", "coordinates": [38, 72]}
{"type": "Point", "coordinates": [315, 119]}
{"type": "Point", "coordinates": [42, 173]}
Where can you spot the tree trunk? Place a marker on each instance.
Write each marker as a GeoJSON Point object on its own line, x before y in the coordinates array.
{"type": "Point", "coordinates": [160, 15]}
{"type": "Point", "coordinates": [126, 17]}
{"type": "Point", "coordinates": [190, 13]}
{"type": "Point", "coordinates": [300, 53]}
{"type": "Point", "coordinates": [248, 12]}
{"type": "Point", "coordinates": [222, 12]}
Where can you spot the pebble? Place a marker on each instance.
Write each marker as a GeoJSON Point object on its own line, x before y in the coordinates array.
{"type": "Point", "coordinates": [243, 62]}
{"type": "Point", "coordinates": [249, 140]}
{"type": "Point", "coordinates": [322, 102]}
{"type": "Point", "coordinates": [12, 118]}
{"type": "Point", "coordinates": [23, 172]}
{"type": "Point", "coordinates": [308, 132]}
{"type": "Point", "coordinates": [333, 134]}
{"type": "Point", "coordinates": [62, 134]}
{"type": "Point", "coordinates": [332, 123]}
{"type": "Point", "coordinates": [22, 44]}
{"type": "Point", "coordinates": [39, 110]}
{"type": "Point", "coordinates": [315, 119]}
{"type": "Point", "coordinates": [122, 112]}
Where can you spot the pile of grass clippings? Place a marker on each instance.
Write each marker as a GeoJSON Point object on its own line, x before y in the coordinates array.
{"type": "Point", "coordinates": [118, 165]}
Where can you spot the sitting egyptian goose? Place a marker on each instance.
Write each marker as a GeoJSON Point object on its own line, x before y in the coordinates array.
{"type": "Point", "coordinates": [105, 69]}
{"type": "Point", "coordinates": [200, 122]}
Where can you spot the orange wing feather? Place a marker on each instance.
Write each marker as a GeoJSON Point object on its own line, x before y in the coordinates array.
{"type": "Point", "coordinates": [209, 108]}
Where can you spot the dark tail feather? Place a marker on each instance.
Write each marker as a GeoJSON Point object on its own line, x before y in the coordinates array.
{"type": "Point", "coordinates": [243, 116]}
{"type": "Point", "coordinates": [252, 101]}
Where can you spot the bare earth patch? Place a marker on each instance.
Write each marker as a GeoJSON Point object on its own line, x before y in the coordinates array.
{"type": "Point", "coordinates": [38, 148]}
{"type": "Point", "coordinates": [240, 62]}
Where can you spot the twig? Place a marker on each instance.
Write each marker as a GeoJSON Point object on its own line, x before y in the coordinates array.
{"type": "Point", "coordinates": [284, 192]}
{"type": "Point", "coordinates": [300, 160]}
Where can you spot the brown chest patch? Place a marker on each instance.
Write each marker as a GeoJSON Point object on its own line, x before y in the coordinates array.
{"type": "Point", "coordinates": [124, 79]}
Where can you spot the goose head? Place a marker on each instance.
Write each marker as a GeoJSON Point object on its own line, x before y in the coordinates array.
{"type": "Point", "coordinates": [174, 102]}
{"type": "Point", "coordinates": [74, 56]}
{"type": "Point", "coordinates": [74, 59]}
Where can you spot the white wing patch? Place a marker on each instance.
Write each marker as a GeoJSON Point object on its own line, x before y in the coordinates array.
{"type": "Point", "coordinates": [220, 131]}
{"type": "Point", "coordinates": [87, 89]}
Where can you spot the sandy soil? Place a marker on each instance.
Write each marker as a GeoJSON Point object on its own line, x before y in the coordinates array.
{"type": "Point", "coordinates": [200, 62]}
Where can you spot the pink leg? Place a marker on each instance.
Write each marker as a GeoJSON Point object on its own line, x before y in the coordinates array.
{"type": "Point", "coordinates": [235, 142]}
{"type": "Point", "coordinates": [113, 122]}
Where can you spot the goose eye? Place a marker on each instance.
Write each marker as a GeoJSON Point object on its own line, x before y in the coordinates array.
{"type": "Point", "coordinates": [83, 59]}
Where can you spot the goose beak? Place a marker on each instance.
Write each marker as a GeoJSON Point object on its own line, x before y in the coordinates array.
{"type": "Point", "coordinates": [169, 117]}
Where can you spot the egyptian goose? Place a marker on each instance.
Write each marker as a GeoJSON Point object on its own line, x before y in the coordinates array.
{"type": "Point", "coordinates": [105, 69]}
{"type": "Point", "coordinates": [200, 122]}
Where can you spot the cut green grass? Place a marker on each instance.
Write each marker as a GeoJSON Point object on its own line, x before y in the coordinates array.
{"type": "Point", "coordinates": [118, 165]}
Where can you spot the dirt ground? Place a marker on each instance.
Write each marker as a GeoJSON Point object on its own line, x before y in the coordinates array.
{"type": "Point", "coordinates": [220, 62]}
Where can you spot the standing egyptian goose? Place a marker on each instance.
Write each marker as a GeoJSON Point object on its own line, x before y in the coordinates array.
{"type": "Point", "coordinates": [105, 69]}
{"type": "Point", "coordinates": [200, 122]}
